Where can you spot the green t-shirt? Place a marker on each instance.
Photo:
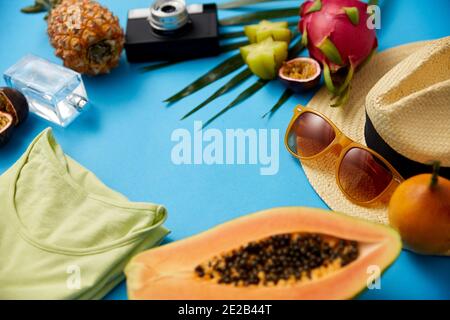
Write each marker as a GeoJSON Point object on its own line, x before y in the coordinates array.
{"type": "Point", "coordinates": [63, 233]}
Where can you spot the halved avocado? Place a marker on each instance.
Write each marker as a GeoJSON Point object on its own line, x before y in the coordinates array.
{"type": "Point", "coordinates": [6, 127]}
{"type": "Point", "coordinates": [282, 253]}
{"type": "Point", "coordinates": [14, 102]}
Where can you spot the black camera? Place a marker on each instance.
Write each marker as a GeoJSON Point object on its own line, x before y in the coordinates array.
{"type": "Point", "coordinates": [170, 30]}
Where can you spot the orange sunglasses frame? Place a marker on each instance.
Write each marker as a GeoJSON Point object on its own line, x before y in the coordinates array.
{"type": "Point", "coordinates": [345, 144]}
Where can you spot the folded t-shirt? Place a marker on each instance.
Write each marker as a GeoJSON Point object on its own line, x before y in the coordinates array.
{"type": "Point", "coordinates": [63, 233]}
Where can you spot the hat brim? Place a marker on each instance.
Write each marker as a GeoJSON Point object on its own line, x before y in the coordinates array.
{"type": "Point", "coordinates": [350, 119]}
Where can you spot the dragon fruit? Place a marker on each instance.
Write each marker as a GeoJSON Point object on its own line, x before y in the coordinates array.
{"type": "Point", "coordinates": [336, 34]}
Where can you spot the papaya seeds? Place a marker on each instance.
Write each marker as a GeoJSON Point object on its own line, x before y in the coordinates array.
{"type": "Point", "coordinates": [14, 111]}
{"type": "Point", "coordinates": [285, 253]}
{"type": "Point", "coordinates": [283, 258]}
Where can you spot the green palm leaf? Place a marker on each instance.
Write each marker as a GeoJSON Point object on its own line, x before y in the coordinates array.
{"type": "Point", "coordinates": [232, 46]}
{"type": "Point", "coordinates": [243, 3]}
{"type": "Point", "coordinates": [294, 51]}
{"type": "Point", "coordinates": [255, 87]}
{"type": "Point", "coordinates": [260, 15]}
{"type": "Point", "coordinates": [226, 67]}
{"type": "Point", "coordinates": [158, 65]}
{"type": "Point", "coordinates": [284, 97]}
{"type": "Point", "coordinates": [236, 80]}
{"type": "Point", "coordinates": [232, 35]}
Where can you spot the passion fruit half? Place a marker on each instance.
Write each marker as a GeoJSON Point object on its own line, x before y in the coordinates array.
{"type": "Point", "coordinates": [6, 127]}
{"type": "Point", "coordinates": [300, 74]}
{"type": "Point", "coordinates": [14, 103]}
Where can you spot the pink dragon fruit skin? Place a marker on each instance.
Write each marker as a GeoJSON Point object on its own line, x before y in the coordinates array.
{"type": "Point", "coordinates": [354, 41]}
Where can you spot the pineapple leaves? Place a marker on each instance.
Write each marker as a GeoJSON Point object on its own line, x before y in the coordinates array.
{"type": "Point", "coordinates": [255, 87]}
{"type": "Point", "coordinates": [259, 15]}
{"type": "Point", "coordinates": [284, 97]}
{"type": "Point", "coordinates": [40, 6]}
{"type": "Point", "coordinates": [226, 67]}
{"type": "Point", "coordinates": [35, 8]}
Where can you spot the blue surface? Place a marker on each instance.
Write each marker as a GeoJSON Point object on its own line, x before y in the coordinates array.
{"type": "Point", "coordinates": [124, 138]}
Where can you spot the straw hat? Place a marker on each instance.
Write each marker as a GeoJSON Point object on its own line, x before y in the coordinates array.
{"type": "Point", "coordinates": [408, 117]}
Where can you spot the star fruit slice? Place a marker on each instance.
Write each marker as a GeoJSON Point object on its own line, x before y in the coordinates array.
{"type": "Point", "coordinates": [265, 58]}
{"type": "Point", "coordinates": [279, 31]}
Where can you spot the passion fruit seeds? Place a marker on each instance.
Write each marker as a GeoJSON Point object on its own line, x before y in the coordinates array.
{"type": "Point", "coordinates": [14, 102]}
{"type": "Point", "coordinates": [6, 127]}
{"type": "Point", "coordinates": [280, 259]}
{"type": "Point", "coordinates": [13, 111]}
{"type": "Point", "coordinates": [299, 70]}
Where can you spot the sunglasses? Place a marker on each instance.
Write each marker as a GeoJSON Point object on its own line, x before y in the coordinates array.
{"type": "Point", "coordinates": [365, 177]}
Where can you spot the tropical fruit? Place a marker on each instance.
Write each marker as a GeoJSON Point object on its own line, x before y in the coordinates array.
{"type": "Point", "coordinates": [337, 35]}
{"type": "Point", "coordinates": [14, 102]}
{"type": "Point", "coordinates": [300, 74]}
{"type": "Point", "coordinates": [86, 36]}
{"type": "Point", "coordinates": [278, 31]}
{"type": "Point", "coordinates": [13, 112]}
{"type": "Point", "coordinates": [6, 127]}
{"type": "Point", "coordinates": [265, 58]}
{"type": "Point", "coordinates": [283, 253]}
{"type": "Point", "coordinates": [420, 210]}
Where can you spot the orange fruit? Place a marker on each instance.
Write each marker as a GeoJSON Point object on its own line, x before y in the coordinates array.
{"type": "Point", "coordinates": [420, 211]}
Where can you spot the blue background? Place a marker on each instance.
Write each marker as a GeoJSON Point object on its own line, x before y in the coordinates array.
{"type": "Point", "coordinates": [124, 138]}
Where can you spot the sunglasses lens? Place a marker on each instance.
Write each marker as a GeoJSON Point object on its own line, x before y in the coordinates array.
{"type": "Point", "coordinates": [362, 175]}
{"type": "Point", "coordinates": [309, 135]}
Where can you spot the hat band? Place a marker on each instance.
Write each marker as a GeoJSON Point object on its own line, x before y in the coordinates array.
{"type": "Point", "coordinates": [405, 166]}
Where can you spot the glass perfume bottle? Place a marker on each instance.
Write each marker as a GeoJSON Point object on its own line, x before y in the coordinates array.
{"type": "Point", "coordinates": [54, 92]}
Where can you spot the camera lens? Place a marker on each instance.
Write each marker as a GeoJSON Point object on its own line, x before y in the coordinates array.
{"type": "Point", "coordinates": [168, 15]}
{"type": "Point", "coordinates": [168, 9]}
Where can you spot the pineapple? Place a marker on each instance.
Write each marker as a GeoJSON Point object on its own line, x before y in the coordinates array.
{"type": "Point", "coordinates": [86, 35]}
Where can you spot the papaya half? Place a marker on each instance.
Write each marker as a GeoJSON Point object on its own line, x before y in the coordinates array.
{"type": "Point", "coordinates": [282, 253]}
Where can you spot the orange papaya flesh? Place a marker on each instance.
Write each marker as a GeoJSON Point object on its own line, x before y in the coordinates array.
{"type": "Point", "coordinates": [282, 253]}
